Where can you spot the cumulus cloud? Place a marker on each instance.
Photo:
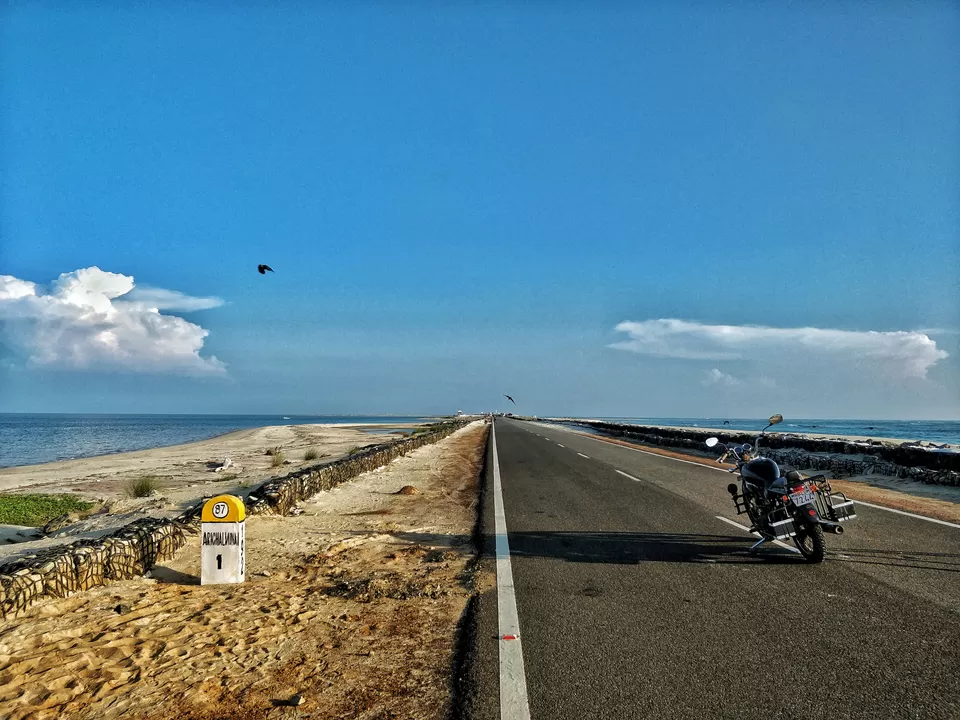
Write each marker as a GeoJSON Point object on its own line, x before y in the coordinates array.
{"type": "Point", "coordinates": [906, 353]}
{"type": "Point", "coordinates": [90, 318]}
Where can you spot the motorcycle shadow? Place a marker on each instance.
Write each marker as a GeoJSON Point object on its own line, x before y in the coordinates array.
{"type": "Point", "coordinates": [914, 559]}
{"type": "Point", "coordinates": [632, 548]}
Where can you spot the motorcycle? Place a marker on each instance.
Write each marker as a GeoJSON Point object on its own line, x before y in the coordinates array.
{"type": "Point", "coordinates": [782, 506]}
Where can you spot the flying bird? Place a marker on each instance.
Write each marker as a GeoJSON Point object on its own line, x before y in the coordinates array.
{"type": "Point", "coordinates": [262, 269]}
{"type": "Point", "coordinates": [510, 399]}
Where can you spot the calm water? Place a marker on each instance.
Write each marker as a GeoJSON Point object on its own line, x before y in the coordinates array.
{"type": "Point", "coordinates": [935, 431]}
{"type": "Point", "coordinates": [31, 439]}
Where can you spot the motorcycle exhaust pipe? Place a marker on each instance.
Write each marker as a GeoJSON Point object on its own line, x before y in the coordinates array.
{"type": "Point", "coordinates": [835, 528]}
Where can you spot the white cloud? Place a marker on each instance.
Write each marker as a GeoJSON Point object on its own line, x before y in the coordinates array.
{"type": "Point", "coordinates": [96, 319]}
{"type": "Point", "coordinates": [715, 377]}
{"type": "Point", "coordinates": [905, 353]}
{"type": "Point", "coordinates": [159, 299]}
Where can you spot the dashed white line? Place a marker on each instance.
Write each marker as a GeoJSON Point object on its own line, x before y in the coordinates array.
{"type": "Point", "coordinates": [744, 527]}
{"type": "Point", "coordinates": [626, 475]}
{"type": "Point", "coordinates": [583, 456]}
{"type": "Point", "coordinates": [513, 682]}
{"type": "Point", "coordinates": [720, 469]}
{"type": "Point", "coordinates": [559, 445]}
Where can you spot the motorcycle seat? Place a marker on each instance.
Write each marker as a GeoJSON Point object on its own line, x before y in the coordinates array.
{"type": "Point", "coordinates": [778, 486]}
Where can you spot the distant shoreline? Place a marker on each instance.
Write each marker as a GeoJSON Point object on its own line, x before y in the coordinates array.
{"type": "Point", "coordinates": [137, 440]}
{"type": "Point", "coordinates": [195, 461]}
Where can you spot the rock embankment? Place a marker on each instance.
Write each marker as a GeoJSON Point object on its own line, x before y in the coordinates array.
{"type": "Point", "coordinates": [842, 457]}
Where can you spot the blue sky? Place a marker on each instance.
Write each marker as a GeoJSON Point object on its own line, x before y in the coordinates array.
{"type": "Point", "coordinates": [463, 200]}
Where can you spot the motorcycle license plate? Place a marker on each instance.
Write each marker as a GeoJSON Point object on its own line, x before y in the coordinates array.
{"type": "Point", "coordinates": [803, 497]}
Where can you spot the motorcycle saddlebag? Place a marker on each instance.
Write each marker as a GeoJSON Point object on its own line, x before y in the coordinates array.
{"type": "Point", "coordinates": [839, 508]}
{"type": "Point", "coordinates": [781, 524]}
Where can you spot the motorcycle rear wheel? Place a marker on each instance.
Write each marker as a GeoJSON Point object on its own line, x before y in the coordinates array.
{"type": "Point", "coordinates": [811, 544]}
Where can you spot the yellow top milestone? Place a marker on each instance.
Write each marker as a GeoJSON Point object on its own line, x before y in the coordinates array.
{"type": "Point", "coordinates": [223, 508]}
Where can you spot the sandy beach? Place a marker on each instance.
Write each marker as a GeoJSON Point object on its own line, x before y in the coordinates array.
{"type": "Point", "coordinates": [184, 474]}
{"type": "Point", "coordinates": [352, 604]}
{"type": "Point", "coordinates": [177, 466]}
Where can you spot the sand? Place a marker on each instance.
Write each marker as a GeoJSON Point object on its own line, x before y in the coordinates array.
{"type": "Point", "coordinates": [180, 465]}
{"type": "Point", "coordinates": [185, 473]}
{"type": "Point", "coordinates": [353, 604]}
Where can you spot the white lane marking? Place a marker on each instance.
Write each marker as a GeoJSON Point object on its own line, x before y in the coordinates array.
{"type": "Point", "coordinates": [744, 527]}
{"type": "Point", "coordinates": [513, 681]}
{"type": "Point", "coordinates": [628, 476]}
{"type": "Point", "coordinates": [559, 445]}
{"type": "Point", "coordinates": [584, 456]}
{"type": "Point", "coordinates": [901, 512]}
{"type": "Point", "coordinates": [720, 469]}
{"type": "Point", "coordinates": [665, 457]}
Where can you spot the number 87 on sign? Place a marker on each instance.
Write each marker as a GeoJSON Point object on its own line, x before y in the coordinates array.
{"type": "Point", "coordinates": [222, 541]}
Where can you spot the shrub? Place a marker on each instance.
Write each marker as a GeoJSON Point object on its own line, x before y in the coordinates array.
{"type": "Point", "coordinates": [143, 486]}
{"type": "Point", "coordinates": [354, 450]}
{"type": "Point", "coordinates": [311, 454]}
{"type": "Point", "coordinates": [278, 458]}
{"type": "Point", "coordinates": [273, 451]}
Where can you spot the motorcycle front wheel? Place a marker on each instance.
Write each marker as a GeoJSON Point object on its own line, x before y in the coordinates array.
{"type": "Point", "coordinates": [810, 544]}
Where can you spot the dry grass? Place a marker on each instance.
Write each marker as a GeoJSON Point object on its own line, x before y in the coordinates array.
{"type": "Point", "coordinates": [143, 486]}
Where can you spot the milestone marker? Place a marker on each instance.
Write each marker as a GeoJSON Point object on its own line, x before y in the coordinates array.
{"type": "Point", "coordinates": [222, 541]}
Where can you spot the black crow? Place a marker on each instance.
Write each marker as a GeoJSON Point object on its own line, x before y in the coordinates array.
{"type": "Point", "coordinates": [510, 399]}
{"type": "Point", "coordinates": [262, 269]}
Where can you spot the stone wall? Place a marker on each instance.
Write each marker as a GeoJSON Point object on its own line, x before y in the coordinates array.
{"type": "Point", "coordinates": [937, 468]}
{"type": "Point", "coordinates": [135, 548]}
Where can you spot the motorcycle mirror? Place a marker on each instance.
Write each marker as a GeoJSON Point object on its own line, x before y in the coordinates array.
{"type": "Point", "coordinates": [712, 441]}
{"type": "Point", "coordinates": [776, 419]}
{"type": "Point", "coordinates": [747, 448]}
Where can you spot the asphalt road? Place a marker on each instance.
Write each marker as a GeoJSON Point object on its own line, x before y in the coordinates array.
{"type": "Point", "coordinates": [636, 601]}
